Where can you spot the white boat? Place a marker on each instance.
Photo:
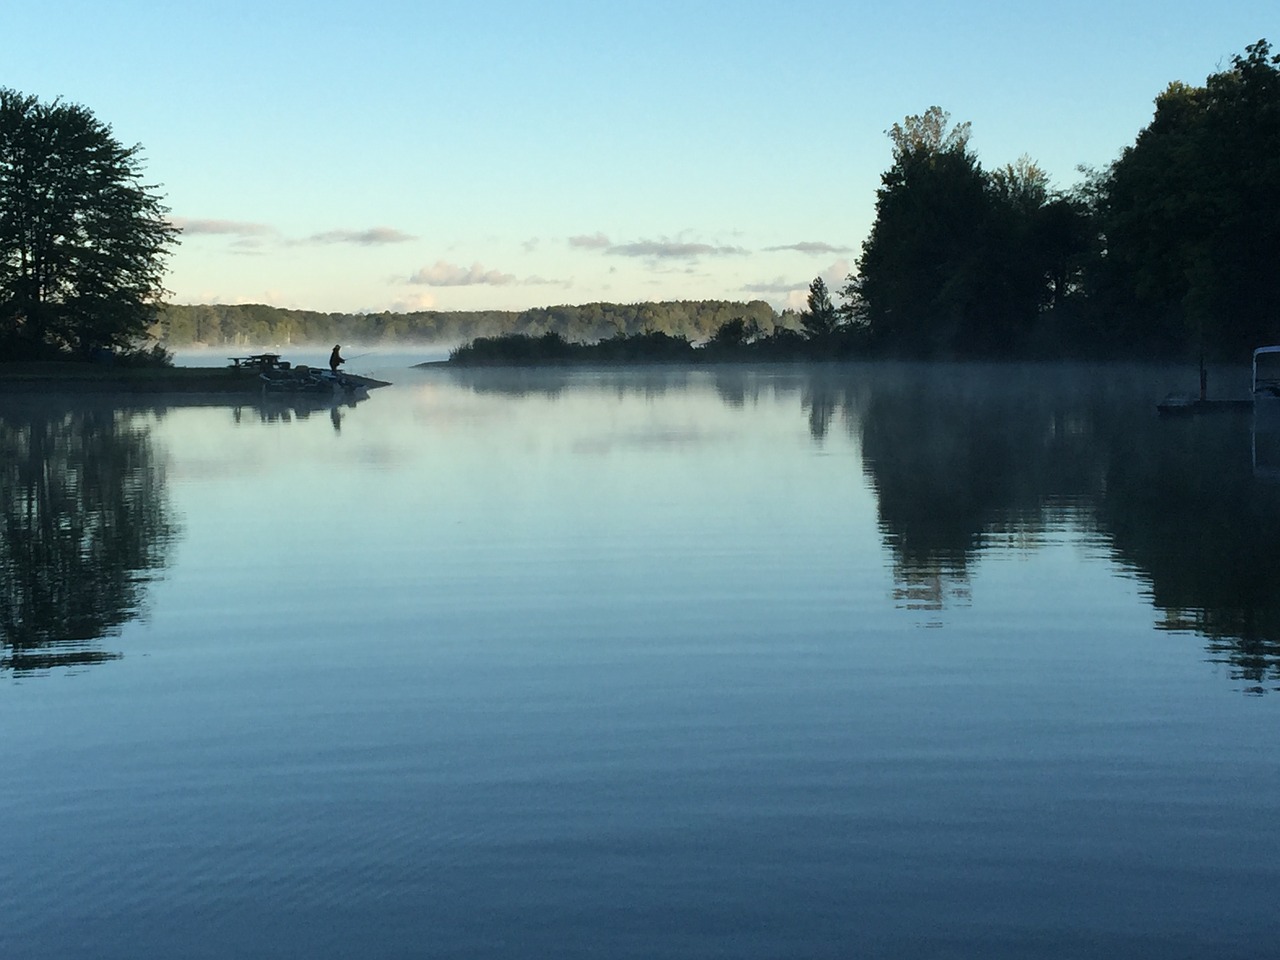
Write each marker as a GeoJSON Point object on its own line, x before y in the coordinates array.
{"type": "Point", "coordinates": [1266, 373]}
{"type": "Point", "coordinates": [1263, 398]}
{"type": "Point", "coordinates": [304, 379]}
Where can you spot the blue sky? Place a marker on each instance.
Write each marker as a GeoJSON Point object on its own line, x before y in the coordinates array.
{"type": "Point", "coordinates": [344, 156]}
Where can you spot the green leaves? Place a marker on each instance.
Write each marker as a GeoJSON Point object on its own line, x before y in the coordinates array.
{"type": "Point", "coordinates": [927, 135]}
{"type": "Point", "coordinates": [1172, 250]}
{"type": "Point", "coordinates": [921, 275]}
{"type": "Point", "coordinates": [1191, 214]}
{"type": "Point", "coordinates": [819, 320]}
{"type": "Point", "coordinates": [82, 239]}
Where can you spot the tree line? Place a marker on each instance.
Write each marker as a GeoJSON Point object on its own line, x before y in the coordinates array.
{"type": "Point", "coordinates": [1172, 250]}
{"type": "Point", "coordinates": [180, 325]}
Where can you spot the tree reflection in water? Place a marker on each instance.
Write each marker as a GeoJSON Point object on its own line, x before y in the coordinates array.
{"type": "Point", "coordinates": [966, 456]}
{"type": "Point", "coordinates": [84, 525]}
{"type": "Point", "coordinates": [963, 456]}
{"type": "Point", "coordinates": [1185, 508]}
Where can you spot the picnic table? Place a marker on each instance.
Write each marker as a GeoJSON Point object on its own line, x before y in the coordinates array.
{"type": "Point", "coordinates": [260, 361]}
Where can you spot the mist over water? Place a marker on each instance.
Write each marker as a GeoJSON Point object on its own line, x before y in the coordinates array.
{"type": "Point", "coordinates": [883, 660]}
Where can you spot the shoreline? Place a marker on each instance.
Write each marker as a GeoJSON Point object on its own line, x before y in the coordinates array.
{"type": "Point", "coordinates": [27, 377]}
{"type": "Point", "coordinates": [70, 377]}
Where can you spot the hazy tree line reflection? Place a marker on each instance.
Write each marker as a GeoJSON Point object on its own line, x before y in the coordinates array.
{"type": "Point", "coordinates": [964, 456]}
{"type": "Point", "coordinates": [960, 456]}
{"type": "Point", "coordinates": [85, 521]}
{"type": "Point", "coordinates": [84, 524]}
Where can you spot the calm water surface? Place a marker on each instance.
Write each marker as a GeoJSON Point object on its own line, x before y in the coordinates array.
{"type": "Point", "coordinates": [862, 661]}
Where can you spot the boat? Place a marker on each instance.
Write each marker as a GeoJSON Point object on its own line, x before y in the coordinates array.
{"type": "Point", "coordinates": [1266, 373]}
{"type": "Point", "coordinates": [304, 379]}
{"type": "Point", "coordinates": [1265, 391]}
{"type": "Point", "coordinates": [1178, 404]}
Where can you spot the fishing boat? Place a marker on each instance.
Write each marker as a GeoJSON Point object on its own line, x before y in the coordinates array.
{"type": "Point", "coordinates": [304, 379]}
{"type": "Point", "coordinates": [278, 376]}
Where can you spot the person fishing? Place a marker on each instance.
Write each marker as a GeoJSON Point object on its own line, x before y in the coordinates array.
{"type": "Point", "coordinates": [336, 357]}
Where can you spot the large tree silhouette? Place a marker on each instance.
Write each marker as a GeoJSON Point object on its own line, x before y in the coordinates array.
{"type": "Point", "coordinates": [82, 238]}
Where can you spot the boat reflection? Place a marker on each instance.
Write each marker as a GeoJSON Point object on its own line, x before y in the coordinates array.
{"type": "Point", "coordinates": [1266, 439]}
{"type": "Point", "coordinates": [291, 407]}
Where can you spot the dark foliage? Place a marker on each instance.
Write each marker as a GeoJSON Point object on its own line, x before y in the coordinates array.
{"type": "Point", "coordinates": [960, 261]}
{"type": "Point", "coordinates": [520, 349]}
{"type": "Point", "coordinates": [736, 341]}
{"type": "Point", "coordinates": [695, 320]}
{"type": "Point", "coordinates": [1190, 216]}
{"type": "Point", "coordinates": [819, 320]}
{"type": "Point", "coordinates": [1172, 251]}
{"type": "Point", "coordinates": [82, 239]}
{"type": "Point", "coordinates": [84, 525]}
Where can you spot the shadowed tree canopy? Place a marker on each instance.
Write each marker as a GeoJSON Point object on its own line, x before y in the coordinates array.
{"type": "Point", "coordinates": [82, 239]}
{"type": "Point", "coordinates": [1191, 216]}
{"type": "Point", "coordinates": [819, 320]}
{"type": "Point", "coordinates": [960, 261]}
{"type": "Point", "coordinates": [915, 268]}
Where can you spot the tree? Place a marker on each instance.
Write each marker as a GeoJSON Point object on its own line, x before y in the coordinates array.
{"type": "Point", "coordinates": [83, 240]}
{"type": "Point", "coordinates": [734, 334]}
{"type": "Point", "coordinates": [927, 135]}
{"type": "Point", "coordinates": [961, 261]}
{"type": "Point", "coordinates": [914, 286]}
{"type": "Point", "coordinates": [819, 321]}
{"type": "Point", "coordinates": [1034, 247]}
{"type": "Point", "coordinates": [1190, 216]}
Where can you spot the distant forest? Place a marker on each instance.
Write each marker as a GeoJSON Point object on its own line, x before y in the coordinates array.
{"type": "Point", "coordinates": [259, 324]}
{"type": "Point", "coordinates": [1170, 252]}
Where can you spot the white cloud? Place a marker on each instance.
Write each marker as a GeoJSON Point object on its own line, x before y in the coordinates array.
{"type": "Point", "coordinates": [191, 226]}
{"type": "Point", "coordinates": [671, 250]}
{"type": "Point", "coordinates": [797, 300]}
{"type": "Point", "coordinates": [250, 234]}
{"type": "Point", "coordinates": [442, 274]}
{"type": "Point", "coordinates": [593, 241]}
{"type": "Point", "coordinates": [663, 249]}
{"type": "Point", "coordinates": [414, 301]}
{"type": "Point", "coordinates": [374, 236]}
{"type": "Point", "coordinates": [836, 275]}
{"type": "Point", "coordinates": [775, 286]}
{"type": "Point", "coordinates": [811, 247]}
{"type": "Point", "coordinates": [794, 295]}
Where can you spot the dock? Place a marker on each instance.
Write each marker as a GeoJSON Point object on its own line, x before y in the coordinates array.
{"type": "Point", "coordinates": [1184, 406]}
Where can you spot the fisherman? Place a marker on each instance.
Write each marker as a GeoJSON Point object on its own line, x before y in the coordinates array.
{"type": "Point", "coordinates": [336, 358]}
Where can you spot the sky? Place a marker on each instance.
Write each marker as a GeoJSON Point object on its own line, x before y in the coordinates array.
{"type": "Point", "coordinates": [383, 155]}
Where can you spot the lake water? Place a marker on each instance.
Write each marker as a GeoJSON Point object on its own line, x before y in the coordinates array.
{"type": "Point", "coordinates": [882, 661]}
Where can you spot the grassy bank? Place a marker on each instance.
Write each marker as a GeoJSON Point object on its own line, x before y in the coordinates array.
{"type": "Point", "coordinates": [62, 376]}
